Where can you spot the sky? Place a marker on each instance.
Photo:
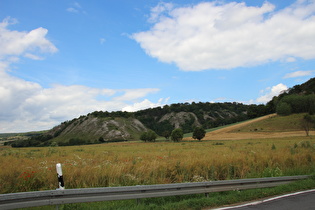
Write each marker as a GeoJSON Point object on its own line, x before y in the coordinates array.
{"type": "Point", "coordinates": [62, 59]}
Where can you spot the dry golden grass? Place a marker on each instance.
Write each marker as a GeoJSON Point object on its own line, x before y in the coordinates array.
{"type": "Point", "coordinates": [269, 126]}
{"type": "Point", "coordinates": [123, 164]}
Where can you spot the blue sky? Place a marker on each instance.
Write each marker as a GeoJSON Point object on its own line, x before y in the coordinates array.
{"type": "Point", "coordinates": [62, 59]}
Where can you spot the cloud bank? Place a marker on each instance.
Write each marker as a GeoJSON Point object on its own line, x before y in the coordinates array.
{"type": "Point", "coordinates": [299, 74]}
{"type": "Point", "coordinates": [214, 35]}
{"type": "Point", "coordinates": [27, 106]}
{"type": "Point", "coordinates": [270, 92]}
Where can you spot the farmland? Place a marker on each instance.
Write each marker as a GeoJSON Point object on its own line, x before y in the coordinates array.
{"type": "Point", "coordinates": [122, 164]}
{"type": "Point", "coordinates": [138, 163]}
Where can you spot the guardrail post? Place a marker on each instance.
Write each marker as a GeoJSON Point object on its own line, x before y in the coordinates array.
{"type": "Point", "coordinates": [60, 177]}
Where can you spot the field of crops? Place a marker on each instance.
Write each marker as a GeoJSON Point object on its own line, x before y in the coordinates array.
{"type": "Point", "coordinates": [138, 163]}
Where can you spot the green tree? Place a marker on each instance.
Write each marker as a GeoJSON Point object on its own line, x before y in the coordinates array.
{"type": "Point", "coordinates": [101, 139]}
{"type": "Point", "coordinates": [148, 136]}
{"type": "Point", "coordinates": [284, 108]}
{"type": "Point", "coordinates": [144, 137]}
{"type": "Point", "coordinates": [151, 135]}
{"type": "Point", "coordinates": [177, 135]}
{"type": "Point", "coordinates": [199, 133]}
{"type": "Point", "coordinates": [166, 134]}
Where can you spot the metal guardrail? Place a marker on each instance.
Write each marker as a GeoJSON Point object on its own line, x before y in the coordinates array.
{"type": "Point", "coordinates": [57, 197]}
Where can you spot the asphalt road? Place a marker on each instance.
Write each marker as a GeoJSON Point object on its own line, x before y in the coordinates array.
{"type": "Point", "coordinates": [296, 201]}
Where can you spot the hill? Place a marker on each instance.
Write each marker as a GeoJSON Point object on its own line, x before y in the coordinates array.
{"type": "Point", "coordinates": [103, 126]}
{"type": "Point", "coordinates": [269, 126]}
{"type": "Point", "coordinates": [90, 129]}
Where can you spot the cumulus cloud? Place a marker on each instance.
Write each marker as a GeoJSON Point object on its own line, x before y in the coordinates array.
{"type": "Point", "coordinates": [270, 92]}
{"type": "Point", "coordinates": [26, 105]}
{"type": "Point", "coordinates": [215, 35]}
{"type": "Point", "coordinates": [299, 74]}
{"type": "Point", "coordinates": [145, 104]}
{"type": "Point", "coordinates": [159, 10]}
{"type": "Point", "coordinates": [15, 43]}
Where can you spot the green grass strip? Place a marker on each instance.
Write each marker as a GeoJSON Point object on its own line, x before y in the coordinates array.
{"type": "Point", "coordinates": [199, 201]}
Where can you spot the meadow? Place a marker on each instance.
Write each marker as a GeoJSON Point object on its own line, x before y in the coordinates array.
{"type": "Point", "coordinates": [139, 163]}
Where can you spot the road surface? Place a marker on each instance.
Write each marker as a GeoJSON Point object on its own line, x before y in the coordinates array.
{"type": "Point", "coordinates": [301, 201]}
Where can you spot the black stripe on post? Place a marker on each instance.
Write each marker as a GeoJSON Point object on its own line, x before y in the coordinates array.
{"type": "Point", "coordinates": [60, 177]}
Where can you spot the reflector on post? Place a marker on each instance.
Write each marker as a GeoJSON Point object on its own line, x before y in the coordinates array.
{"type": "Point", "coordinates": [60, 177]}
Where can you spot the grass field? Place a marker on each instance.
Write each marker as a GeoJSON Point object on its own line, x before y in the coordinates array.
{"type": "Point", "coordinates": [251, 153]}
{"type": "Point", "coordinates": [123, 164]}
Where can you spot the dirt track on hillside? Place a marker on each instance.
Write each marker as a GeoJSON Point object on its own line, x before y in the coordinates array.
{"type": "Point", "coordinates": [230, 133]}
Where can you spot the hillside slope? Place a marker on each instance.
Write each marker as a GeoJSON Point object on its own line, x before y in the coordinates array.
{"type": "Point", "coordinates": [269, 126]}
{"type": "Point", "coordinates": [93, 129]}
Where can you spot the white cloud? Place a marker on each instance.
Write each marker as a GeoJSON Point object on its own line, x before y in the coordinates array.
{"type": "Point", "coordinates": [144, 105]}
{"type": "Point", "coordinates": [133, 94]}
{"type": "Point", "coordinates": [299, 74]}
{"type": "Point", "coordinates": [26, 105]}
{"type": "Point", "coordinates": [73, 10]}
{"type": "Point", "coordinates": [102, 40]}
{"type": "Point", "coordinates": [213, 35]}
{"type": "Point", "coordinates": [270, 92]}
{"type": "Point", "coordinates": [76, 8]}
{"type": "Point", "coordinates": [16, 43]}
{"type": "Point", "coordinates": [159, 10]}
{"type": "Point", "coordinates": [33, 57]}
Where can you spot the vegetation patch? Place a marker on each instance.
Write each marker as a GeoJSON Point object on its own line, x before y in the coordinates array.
{"type": "Point", "coordinates": [275, 124]}
{"type": "Point", "coordinates": [138, 163]}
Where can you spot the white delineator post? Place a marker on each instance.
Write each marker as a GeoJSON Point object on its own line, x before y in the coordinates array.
{"type": "Point", "coordinates": [60, 178]}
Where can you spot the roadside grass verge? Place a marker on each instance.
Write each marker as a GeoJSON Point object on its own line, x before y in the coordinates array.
{"type": "Point", "coordinates": [199, 201]}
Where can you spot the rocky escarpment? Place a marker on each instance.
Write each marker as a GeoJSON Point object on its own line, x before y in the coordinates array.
{"type": "Point", "coordinates": [180, 118]}
{"type": "Point", "coordinates": [95, 128]}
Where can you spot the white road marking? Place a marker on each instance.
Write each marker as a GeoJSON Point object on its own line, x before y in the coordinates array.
{"type": "Point", "coordinates": [263, 201]}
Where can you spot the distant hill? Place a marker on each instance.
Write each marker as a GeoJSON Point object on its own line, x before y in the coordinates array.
{"type": "Point", "coordinates": [103, 126]}
{"type": "Point", "coordinates": [99, 126]}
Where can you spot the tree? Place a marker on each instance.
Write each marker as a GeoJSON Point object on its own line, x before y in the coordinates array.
{"type": "Point", "coordinates": [144, 137]}
{"type": "Point", "coordinates": [101, 139]}
{"type": "Point", "coordinates": [177, 135]}
{"type": "Point", "coordinates": [151, 135]}
{"type": "Point", "coordinates": [307, 123]}
{"type": "Point", "coordinates": [166, 134]}
{"type": "Point", "coordinates": [284, 108]}
{"type": "Point", "coordinates": [199, 133]}
{"type": "Point", "coordinates": [148, 136]}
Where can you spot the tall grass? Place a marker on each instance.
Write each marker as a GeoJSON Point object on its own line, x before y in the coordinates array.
{"type": "Point", "coordinates": [124, 164]}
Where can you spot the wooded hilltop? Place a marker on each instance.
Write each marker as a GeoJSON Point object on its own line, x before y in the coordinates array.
{"type": "Point", "coordinates": [103, 126]}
